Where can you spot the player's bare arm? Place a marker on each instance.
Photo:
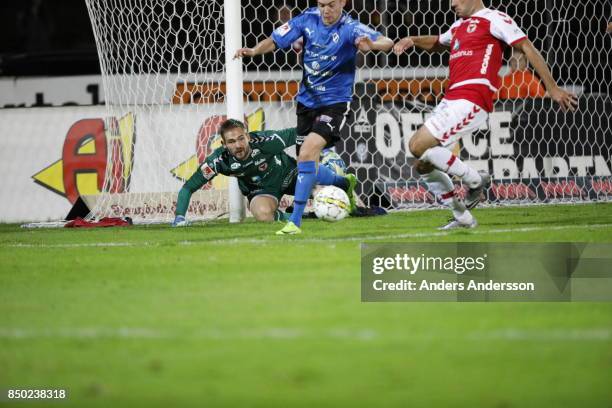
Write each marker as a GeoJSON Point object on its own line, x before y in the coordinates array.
{"type": "Point", "coordinates": [263, 47]}
{"type": "Point", "coordinates": [428, 43]}
{"type": "Point", "coordinates": [365, 44]}
{"type": "Point", "coordinates": [566, 99]}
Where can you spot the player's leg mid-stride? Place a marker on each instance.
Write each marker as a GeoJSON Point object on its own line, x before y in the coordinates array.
{"type": "Point", "coordinates": [325, 176]}
{"type": "Point", "coordinates": [436, 162]}
{"type": "Point", "coordinates": [476, 42]}
{"type": "Point", "coordinates": [308, 158]}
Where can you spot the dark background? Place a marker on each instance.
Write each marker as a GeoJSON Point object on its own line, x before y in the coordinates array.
{"type": "Point", "coordinates": [54, 37]}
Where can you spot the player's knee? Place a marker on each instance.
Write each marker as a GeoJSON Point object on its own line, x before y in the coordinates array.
{"type": "Point", "coordinates": [421, 141]}
{"type": "Point", "coordinates": [308, 153]}
{"type": "Point", "coordinates": [311, 148]}
{"type": "Point", "coordinates": [423, 167]}
{"type": "Point", "coordinates": [304, 155]}
{"type": "Point", "coordinates": [263, 213]}
{"type": "Point", "coordinates": [416, 146]}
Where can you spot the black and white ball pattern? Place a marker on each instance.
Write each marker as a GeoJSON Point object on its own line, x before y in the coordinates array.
{"type": "Point", "coordinates": [331, 204]}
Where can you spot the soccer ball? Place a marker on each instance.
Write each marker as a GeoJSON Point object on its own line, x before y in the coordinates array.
{"type": "Point", "coordinates": [331, 204]}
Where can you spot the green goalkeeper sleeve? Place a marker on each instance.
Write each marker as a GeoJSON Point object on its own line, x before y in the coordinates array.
{"type": "Point", "coordinates": [192, 185]}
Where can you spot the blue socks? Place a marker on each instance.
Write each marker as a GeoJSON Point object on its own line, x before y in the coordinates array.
{"type": "Point", "coordinates": [307, 175]}
{"type": "Point", "coordinates": [326, 177]}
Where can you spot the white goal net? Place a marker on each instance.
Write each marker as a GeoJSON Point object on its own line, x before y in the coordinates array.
{"type": "Point", "coordinates": [163, 74]}
{"type": "Point", "coordinates": [164, 82]}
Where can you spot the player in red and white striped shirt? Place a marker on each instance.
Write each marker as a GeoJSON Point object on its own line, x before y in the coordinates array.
{"type": "Point", "coordinates": [476, 41]}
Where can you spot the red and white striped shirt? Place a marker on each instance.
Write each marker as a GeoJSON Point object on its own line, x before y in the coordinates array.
{"type": "Point", "coordinates": [477, 47]}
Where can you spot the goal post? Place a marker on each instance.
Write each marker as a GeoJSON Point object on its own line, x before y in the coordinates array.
{"type": "Point", "coordinates": [234, 93]}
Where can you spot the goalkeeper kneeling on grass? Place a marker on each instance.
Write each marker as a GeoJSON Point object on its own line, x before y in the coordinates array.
{"type": "Point", "coordinates": [264, 171]}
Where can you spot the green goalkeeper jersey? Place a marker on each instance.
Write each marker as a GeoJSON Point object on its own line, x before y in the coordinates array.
{"type": "Point", "coordinates": [267, 170]}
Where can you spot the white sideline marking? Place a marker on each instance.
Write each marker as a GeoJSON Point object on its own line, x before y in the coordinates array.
{"type": "Point", "coordinates": [275, 240]}
{"type": "Point", "coordinates": [81, 245]}
{"type": "Point", "coordinates": [278, 333]}
{"type": "Point", "coordinates": [547, 335]}
{"type": "Point", "coordinates": [400, 236]}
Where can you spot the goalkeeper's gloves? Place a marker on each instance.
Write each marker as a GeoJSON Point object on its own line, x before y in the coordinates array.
{"type": "Point", "coordinates": [180, 221]}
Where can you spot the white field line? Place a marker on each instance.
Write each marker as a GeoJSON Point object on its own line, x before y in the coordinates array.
{"type": "Point", "coordinates": [80, 245]}
{"type": "Point", "coordinates": [278, 333]}
{"type": "Point", "coordinates": [406, 235]}
{"type": "Point", "coordinates": [276, 240]}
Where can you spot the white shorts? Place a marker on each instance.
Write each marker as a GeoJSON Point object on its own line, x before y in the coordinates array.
{"type": "Point", "coordinates": [453, 119]}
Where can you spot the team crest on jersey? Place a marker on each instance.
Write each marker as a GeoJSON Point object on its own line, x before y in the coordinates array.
{"type": "Point", "coordinates": [235, 166]}
{"type": "Point", "coordinates": [335, 37]}
{"type": "Point", "coordinates": [283, 30]}
{"type": "Point", "coordinates": [472, 26]}
{"type": "Point", "coordinates": [456, 45]}
{"type": "Point", "coordinates": [315, 65]}
{"type": "Point", "coordinates": [207, 171]}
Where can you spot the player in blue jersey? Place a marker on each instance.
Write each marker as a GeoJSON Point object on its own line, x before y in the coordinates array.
{"type": "Point", "coordinates": [331, 41]}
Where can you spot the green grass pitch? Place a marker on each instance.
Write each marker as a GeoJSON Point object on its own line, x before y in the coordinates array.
{"type": "Point", "coordinates": [221, 315]}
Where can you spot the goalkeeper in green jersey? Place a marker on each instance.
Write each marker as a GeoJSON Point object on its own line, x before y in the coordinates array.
{"type": "Point", "coordinates": [264, 171]}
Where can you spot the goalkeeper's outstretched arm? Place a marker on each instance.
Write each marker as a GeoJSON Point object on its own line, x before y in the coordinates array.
{"type": "Point", "coordinates": [195, 182]}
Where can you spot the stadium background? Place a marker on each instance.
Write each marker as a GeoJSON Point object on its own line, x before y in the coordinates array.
{"type": "Point", "coordinates": [228, 315]}
{"type": "Point", "coordinates": [49, 58]}
{"type": "Point", "coordinates": [42, 38]}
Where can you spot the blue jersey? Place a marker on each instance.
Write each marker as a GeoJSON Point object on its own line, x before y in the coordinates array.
{"type": "Point", "coordinates": [329, 55]}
